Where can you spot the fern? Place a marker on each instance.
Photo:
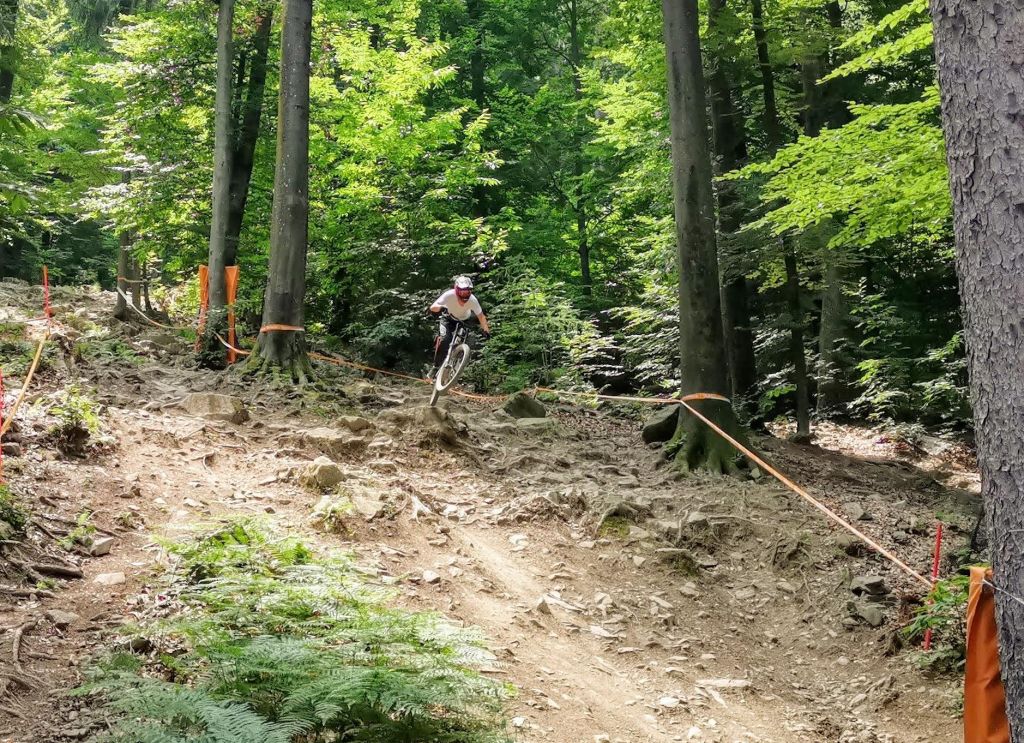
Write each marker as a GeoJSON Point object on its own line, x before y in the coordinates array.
{"type": "Point", "coordinates": [282, 646]}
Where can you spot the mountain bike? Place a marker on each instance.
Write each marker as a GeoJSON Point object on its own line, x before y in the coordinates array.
{"type": "Point", "coordinates": [454, 361]}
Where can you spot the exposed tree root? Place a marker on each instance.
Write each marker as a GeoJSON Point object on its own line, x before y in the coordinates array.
{"type": "Point", "coordinates": [283, 358]}
{"type": "Point", "coordinates": [697, 448]}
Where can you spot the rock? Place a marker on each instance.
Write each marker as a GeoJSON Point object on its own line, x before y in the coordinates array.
{"type": "Point", "coordinates": [697, 520]}
{"type": "Point", "coordinates": [661, 426]}
{"type": "Point", "coordinates": [321, 473]}
{"type": "Point", "coordinates": [367, 507]}
{"type": "Point", "coordinates": [61, 619]}
{"type": "Point", "coordinates": [11, 449]}
{"type": "Point", "coordinates": [669, 702]}
{"type": "Point", "coordinates": [522, 405]}
{"type": "Point", "coordinates": [429, 576]}
{"type": "Point", "coordinates": [101, 546]}
{"type": "Point", "coordinates": [667, 528]}
{"type": "Point", "coordinates": [355, 423]}
{"type": "Point", "coordinates": [542, 606]}
{"type": "Point", "coordinates": [109, 579]}
{"type": "Point", "coordinates": [689, 590]}
{"type": "Point", "coordinates": [870, 613]}
{"type": "Point", "coordinates": [430, 425]}
{"type": "Point", "coordinates": [333, 440]}
{"type": "Point", "coordinates": [360, 390]}
{"type": "Point", "coordinates": [850, 544]}
{"type": "Point", "coordinates": [216, 407]}
{"type": "Point", "coordinates": [869, 585]}
{"type": "Point", "coordinates": [856, 512]}
{"type": "Point", "coordinates": [536, 425]}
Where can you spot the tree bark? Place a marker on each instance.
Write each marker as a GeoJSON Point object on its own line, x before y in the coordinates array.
{"type": "Point", "coordinates": [978, 45]}
{"type": "Point", "coordinates": [478, 89]}
{"type": "Point", "coordinates": [123, 264]}
{"type": "Point", "coordinates": [212, 353]}
{"type": "Point", "coordinates": [772, 128]}
{"type": "Point", "coordinates": [776, 139]}
{"type": "Point", "coordinates": [731, 152]}
{"type": "Point", "coordinates": [832, 387]}
{"type": "Point", "coordinates": [796, 344]}
{"type": "Point", "coordinates": [248, 136]}
{"type": "Point", "coordinates": [8, 47]}
{"type": "Point", "coordinates": [284, 350]}
{"type": "Point", "coordinates": [136, 279]}
{"type": "Point", "coordinates": [578, 166]}
{"type": "Point", "coordinates": [702, 345]}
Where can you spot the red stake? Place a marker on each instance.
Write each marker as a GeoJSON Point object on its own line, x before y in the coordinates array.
{"type": "Point", "coordinates": [46, 296]}
{"type": "Point", "coordinates": [935, 578]}
{"type": "Point", "coordinates": [1, 425]}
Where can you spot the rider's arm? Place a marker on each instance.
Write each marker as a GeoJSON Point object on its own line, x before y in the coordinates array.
{"type": "Point", "coordinates": [483, 322]}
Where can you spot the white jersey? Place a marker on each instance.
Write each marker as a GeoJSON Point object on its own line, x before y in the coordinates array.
{"type": "Point", "coordinates": [458, 310]}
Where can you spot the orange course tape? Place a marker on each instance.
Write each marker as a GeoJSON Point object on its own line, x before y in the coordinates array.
{"type": "Point", "coordinates": [278, 326]}
{"type": "Point", "coordinates": [810, 498]}
{"type": "Point", "coordinates": [685, 402]}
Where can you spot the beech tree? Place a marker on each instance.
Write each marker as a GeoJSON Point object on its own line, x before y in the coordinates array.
{"type": "Point", "coordinates": [977, 44]}
{"type": "Point", "coordinates": [282, 341]}
{"type": "Point", "coordinates": [222, 156]}
{"type": "Point", "coordinates": [702, 343]}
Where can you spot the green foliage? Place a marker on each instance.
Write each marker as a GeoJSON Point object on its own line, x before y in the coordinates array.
{"type": "Point", "coordinates": [11, 511]}
{"type": "Point", "coordinates": [77, 420]}
{"type": "Point", "coordinates": [276, 644]}
{"type": "Point", "coordinates": [945, 613]}
{"type": "Point", "coordinates": [81, 534]}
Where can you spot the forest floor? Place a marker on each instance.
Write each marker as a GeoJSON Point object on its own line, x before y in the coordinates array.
{"type": "Point", "coordinates": [606, 633]}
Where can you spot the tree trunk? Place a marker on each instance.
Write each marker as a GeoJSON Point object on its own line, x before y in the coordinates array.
{"type": "Point", "coordinates": [478, 90]}
{"type": "Point", "coordinates": [212, 353]}
{"type": "Point", "coordinates": [147, 305]}
{"type": "Point", "coordinates": [774, 131]}
{"type": "Point", "coordinates": [285, 349]}
{"type": "Point", "coordinates": [123, 269]}
{"type": "Point", "coordinates": [796, 344]}
{"type": "Point", "coordinates": [136, 279]}
{"type": "Point", "coordinates": [248, 136]}
{"type": "Point", "coordinates": [731, 152]}
{"type": "Point", "coordinates": [8, 47]}
{"type": "Point", "coordinates": [702, 346]}
{"type": "Point", "coordinates": [977, 45]}
{"type": "Point", "coordinates": [832, 388]}
{"type": "Point", "coordinates": [578, 166]}
{"type": "Point", "coordinates": [772, 128]}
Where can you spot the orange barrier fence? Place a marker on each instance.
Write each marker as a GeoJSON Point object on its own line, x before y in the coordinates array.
{"type": "Point", "coordinates": [984, 699]}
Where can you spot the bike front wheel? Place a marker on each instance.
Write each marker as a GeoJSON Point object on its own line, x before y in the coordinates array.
{"type": "Point", "coordinates": [450, 372]}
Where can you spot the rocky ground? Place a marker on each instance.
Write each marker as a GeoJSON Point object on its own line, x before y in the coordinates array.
{"type": "Point", "coordinates": [623, 601]}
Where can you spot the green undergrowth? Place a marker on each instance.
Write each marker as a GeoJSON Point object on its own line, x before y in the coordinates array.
{"type": "Point", "coordinates": [264, 640]}
{"type": "Point", "coordinates": [945, 613]}
{"type": "Point", "coordinates": [12, 513]}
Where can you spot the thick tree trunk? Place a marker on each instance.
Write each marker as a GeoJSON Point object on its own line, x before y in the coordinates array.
{"type": "Point", "coordinates": [796, 344]}
{"type": "Point", "coordinates": [702, 346]}
{"type": "Point", "coordinates": [831, 372]}
{"type": "Point", "coordinates": [731, 152]}
{"type": "Point", "coordinates": [978, 45]}
{"type": "Point", "coordinates": [285, 349]}
{"type": "Point", "coordinates": [582, 221]}
{"type": "Point", "coordinates": [248, 136]}
{"type": "Point", "coordinates": [212, 353]}
{"type": "Point", "coordinates": [147, 305]}
{"type": "Point", "coordinates": [8, 47]}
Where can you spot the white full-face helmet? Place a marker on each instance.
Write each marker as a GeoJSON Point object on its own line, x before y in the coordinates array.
{"type": "Point", "coordinates": [463, 287]}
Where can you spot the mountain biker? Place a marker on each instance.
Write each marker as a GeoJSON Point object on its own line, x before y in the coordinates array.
{"type": "Point", "coordinates": [456, 304]}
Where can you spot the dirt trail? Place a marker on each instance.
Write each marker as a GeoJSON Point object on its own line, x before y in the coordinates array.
{"type": "Point", "coordinates": [720, 614]}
